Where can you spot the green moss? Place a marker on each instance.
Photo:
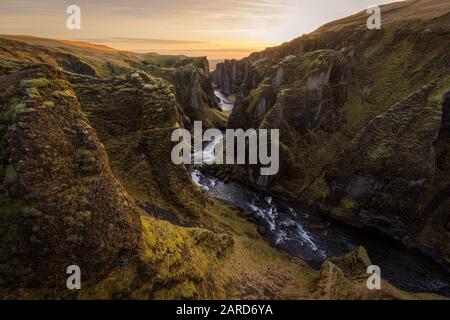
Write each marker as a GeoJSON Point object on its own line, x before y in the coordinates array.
{"type": "Point", "coordinates": [115, 286]}
{"type": "Point", "coordinates": [321, 189]}
{"type": "Point", "coordinates": [35, 83]}
{"type": "Point", "coordinates": [168, 61]}
{"type": "Point", "coordinates": [10, 176]}
{"type": "Point", "coordinates": [127, 90]}
{"type": "Point", "coordinates": [185, 290]}
{"type": "Point", "coordinates": [85, 214]}
{"type": "Point", "coordinates": [148, 255]}
{"type": "Point", "coordinates": [136, 76]}
{"type": "Point", "coordinates": [49, 104]}
{"type": "Point", "coordinates": [11, 240]}
{"type": "Point", "coordinates": [349, 204]}
{"type": "Point", "coordinates": [33, 93]}
{"type": "Point", "coordinates": [151, 87]}
{"type": "Point", "coordinates": [63, 94]}
{"type": "Point", "coordinates": [218, 243]}
{"type": "Point", "coordinates": [215, 118]}
{"type": "Point", "coordinates": [14, 109]}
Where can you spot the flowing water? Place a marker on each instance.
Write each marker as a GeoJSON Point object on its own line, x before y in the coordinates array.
{"type": "Point", "coordinates": [314, 237]}
{"type": "Point", "coordinates": [225, 103]}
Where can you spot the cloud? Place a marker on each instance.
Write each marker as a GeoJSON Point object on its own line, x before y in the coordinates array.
{"type": "Point", "coordinates": [142, 41]}
{"type": "Point", "coordinates": [176, 24]}
{"type": "Point", "coordinates": [218, 50]}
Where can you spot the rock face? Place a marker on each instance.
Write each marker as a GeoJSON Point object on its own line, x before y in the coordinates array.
{"type": "Point", "coordinates": [298, 96]}
{"type": "Point", "coordinates": [363, 119]}
{"type": "Point", "coordinates": [61, 205]}
{"type": "Point", "coordinates": [385, 170]}
{"type": "Point", "coordinates": [194, 90]}
{"type": "Point", "coordinates": [229, 76]}
{"type": "Point", "coordinates": [135, 115]}
{"type": "Point", "coordinates": [345, 277]}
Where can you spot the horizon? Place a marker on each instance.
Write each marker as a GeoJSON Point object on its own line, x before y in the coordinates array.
{"type": "Point", "coordinates": [217, 29]}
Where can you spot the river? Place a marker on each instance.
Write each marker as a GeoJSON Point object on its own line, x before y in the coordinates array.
{"type": "Point", "coordinates": [314, 237]}
{"type": "Point", "coordinates": [225, 103]}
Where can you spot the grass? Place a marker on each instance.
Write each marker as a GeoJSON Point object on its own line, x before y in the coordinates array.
{"type": "Point", "coordinates": [349, 204]}
{"type": "Point", "coordinates": [233, 262]}
{"type": "Point", "coordinates": [35, 83]}
{"type": "Point", "coordinates": [216, 118]}
{"type": "Point", "coordinates": [10, 176]}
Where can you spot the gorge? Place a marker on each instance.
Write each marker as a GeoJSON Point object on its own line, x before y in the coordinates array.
{"type": "Point", "coordinates": [314, 237]}
{"type": "Point", "coordinates": [87, 179]}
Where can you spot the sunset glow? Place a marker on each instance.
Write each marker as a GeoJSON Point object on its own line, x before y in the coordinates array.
{"type": "Point", "coordinates": [217, 28]}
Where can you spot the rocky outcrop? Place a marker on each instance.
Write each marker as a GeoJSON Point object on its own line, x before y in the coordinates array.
{"type": "Point", "coordinates": [194, 90]}
{"type": "Point", "coordinates": [134, 116]}
{"type": "Point", "coordinates": [72, 63]}
{"type": "Point", "coordinates": [382, 173]}
{"type": "Point", "coordinates": [344, 278]}
{"type": "Point", "coordinates": [60, 205]}
{"type": "Point", "coordinates": [228, 76]}
{"type": "Point", "coordinates": [77, 152]}
{"type": "Point", "coordinates": [298, 95]}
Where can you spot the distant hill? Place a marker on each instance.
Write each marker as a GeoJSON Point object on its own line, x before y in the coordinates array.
{"type": "Point", "coordinates": [57, 43]}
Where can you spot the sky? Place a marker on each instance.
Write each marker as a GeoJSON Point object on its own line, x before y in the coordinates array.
{"type": "Point", "coordinates": [215, 28]}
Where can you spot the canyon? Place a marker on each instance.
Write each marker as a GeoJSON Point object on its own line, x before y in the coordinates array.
{"type": "Point", "coordinates": [86, 176]}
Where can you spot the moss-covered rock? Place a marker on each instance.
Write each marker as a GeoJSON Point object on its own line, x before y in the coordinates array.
{"type": "Point", "coordinates": [135, 124]}
{"type": "Point", "coordinates": [389, 164]}
{"type": "Point", "coordinates": [44, 152]}
{"type": "Point", "coordinates": [345, 277]}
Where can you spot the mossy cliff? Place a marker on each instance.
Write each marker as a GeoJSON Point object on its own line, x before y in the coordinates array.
{"type": "Point", "coordinates": [194, 90]}
{"type": "Point", "coordinates": [363, 120]}
{"type": "Point", "coordinates": [134, 115]}
{"type": "Point", "coordinates": [63, 206]}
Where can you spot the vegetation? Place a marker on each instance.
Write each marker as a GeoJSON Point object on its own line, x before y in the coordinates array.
{"type": "Point", "coordinates": [35, 83]}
